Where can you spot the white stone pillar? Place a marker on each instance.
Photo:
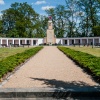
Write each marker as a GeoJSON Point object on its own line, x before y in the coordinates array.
{"type": "Point", "coordinates": [7, 41]}
{"type": "Point", "coordinates": [31, 42]}
{"type": "Point", "coordinates": [93, 41]}
{"type": "Point", "coordinates": [25, 41]}
{"type": "Point", "coordinates": [1, 41]}
{"type": "Point", "coordinates": [80, 41]}
{"type": "Point", "coordinates": [37, 42]}
{"type": "Point", "coordinates": [13, 41]}
{"type": "Point", "coordinates": [74, 41]}
{"type": "Point", "coordinates": [19, 42]}
{"type": "Point", "coordinates": [87, 41]}
{"type": "Point", "coordinates": [68, 42]}
{"type": "Point", "coordinates": [99, 40]}
{"type": "Point", "coordinates": [61, 41]}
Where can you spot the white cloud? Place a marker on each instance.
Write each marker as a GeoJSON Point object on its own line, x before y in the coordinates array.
{"type": "Point", "coordinates": [2, 2]}
{"type": "Point", "coordinates": [47, 7]}
{"type": "Point", "coordinates": [0, 16]}
{"type": "Point", "coordinates": [40, 2]}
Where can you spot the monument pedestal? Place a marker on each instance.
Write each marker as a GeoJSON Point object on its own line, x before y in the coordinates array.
{"type": "Point", "coordinates": [50, 39]}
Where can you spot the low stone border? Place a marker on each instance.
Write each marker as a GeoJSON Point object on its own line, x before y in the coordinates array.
{"type": "Point", "coordinates": [70, 92]}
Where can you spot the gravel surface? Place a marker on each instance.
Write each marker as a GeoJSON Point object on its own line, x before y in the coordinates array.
{"type": "Point", "coordinates": [49, 68]}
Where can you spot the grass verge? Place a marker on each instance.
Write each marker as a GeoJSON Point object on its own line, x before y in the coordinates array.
{"type": "Point", "coordinates": [9, 63]}
{"type": "Point", "coordinates": [93, 51]}
{"type": "Point", "coordinates": [85, 60]}
{"type": "Point", "coordinates": [5, 52]}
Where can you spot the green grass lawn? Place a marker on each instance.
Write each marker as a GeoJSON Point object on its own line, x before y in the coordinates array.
{"type": "Point", "coordinates": [94, 51]}
{"type": "Point", "coordinates": [5, 52]}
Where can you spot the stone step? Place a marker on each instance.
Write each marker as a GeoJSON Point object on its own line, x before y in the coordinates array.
{"type": "Point", "coordinates": [69, 98]}
{"type": "Point", "coordinates": [27, 99]}
{"type": "Point", "coordinates": [92, 93]}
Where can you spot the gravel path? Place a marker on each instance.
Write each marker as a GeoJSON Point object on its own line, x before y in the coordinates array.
{"type": "Point", "coordinates": [49, 68]}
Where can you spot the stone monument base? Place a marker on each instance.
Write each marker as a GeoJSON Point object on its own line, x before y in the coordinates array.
{"type": "Point", "coordinates": [50, 38]}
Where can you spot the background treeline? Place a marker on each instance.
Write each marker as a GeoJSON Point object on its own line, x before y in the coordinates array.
{"type": "Point", "coordinates": [77, 18]}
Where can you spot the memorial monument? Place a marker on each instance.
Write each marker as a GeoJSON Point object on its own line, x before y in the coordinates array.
{"type": "Point", "coordinates": [50, 36]}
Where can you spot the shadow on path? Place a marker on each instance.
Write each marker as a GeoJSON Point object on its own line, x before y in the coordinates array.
{"type": "Point", "coordinates": [53, 83]}
{"type": "Point", "coordinates": [73, 89]}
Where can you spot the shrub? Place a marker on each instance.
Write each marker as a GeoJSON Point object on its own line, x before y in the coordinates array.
{"type": "Point", "coordinates": [8, 64]}
{"type": "Point", "coordinates": [87, 61]}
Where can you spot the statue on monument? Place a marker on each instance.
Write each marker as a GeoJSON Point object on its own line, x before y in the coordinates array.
{"type": "Point", "coordinates": [50, 17]}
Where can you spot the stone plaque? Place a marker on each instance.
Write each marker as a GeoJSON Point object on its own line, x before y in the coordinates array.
{"type": "Point", "coordinates": [49, 37]}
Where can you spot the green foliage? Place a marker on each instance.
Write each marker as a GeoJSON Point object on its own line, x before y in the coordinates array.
{"type": "Point", "coordinates": [58, 17]}
{"type": "Point", "coordinates": [77, 18]}
{"type": "Point", "coordinates": [41, 27]}
{"type": "Point", "coordinates": [1, 26]}
{"type": "Point", "coordinates": [96, 30]}
{"type": "Point", "coordinates": [19, 20]}
{"type": "Point", "coordinates": [86, 60]}
{"type": "Point", "coordinates": [8, 64]}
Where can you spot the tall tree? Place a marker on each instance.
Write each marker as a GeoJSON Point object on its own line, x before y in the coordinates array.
{"type": "Point", "coordinates": [1, 27]}
{"type": "Point", "coordinates": [90, 9]}
{"type": "Point", "coordinates": [61, 20]}
{"type": "Point", "coordinates": [58, 17]}
{"type": "Point", "coordinates": [71, 7]}
{"type": "Point", "coordinates": [41, 27]}
{"type": "Point", "coordinates": [20, 18]}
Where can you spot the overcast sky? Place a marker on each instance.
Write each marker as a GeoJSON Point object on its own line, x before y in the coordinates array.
{"type": "Point", "coordinates": [39, 5]}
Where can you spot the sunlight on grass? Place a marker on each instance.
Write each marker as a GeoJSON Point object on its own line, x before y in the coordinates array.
{"type": "Point", "coordinates": [5, 52]}
{"type": "Point", "coordinates": [94, 51]}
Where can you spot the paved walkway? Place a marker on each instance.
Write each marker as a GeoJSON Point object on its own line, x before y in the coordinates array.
{"type": "Point", "coordinates": [49, 68]}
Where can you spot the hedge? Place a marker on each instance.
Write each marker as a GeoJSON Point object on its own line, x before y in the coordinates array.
{"type": "Point", "coordinates": [85, 60]}
{"type": "Point", "coordinates": [9, 63]}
